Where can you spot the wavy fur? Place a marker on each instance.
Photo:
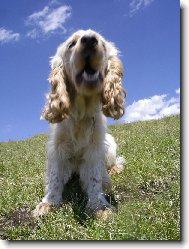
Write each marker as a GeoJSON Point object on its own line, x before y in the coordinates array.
{"type": "Point", "coordinates": [113, 92]}
{"type": "Point", "coordinates": [85, 83]}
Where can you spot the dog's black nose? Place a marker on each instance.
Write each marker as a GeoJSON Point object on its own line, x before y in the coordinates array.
{"type": "Point", "coordinates": [89, 41]}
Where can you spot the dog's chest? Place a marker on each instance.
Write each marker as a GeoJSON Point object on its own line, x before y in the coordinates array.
{"type": "Point", "coordinates": [78, 136]}
{"type": "Point", "coordinates": [83, 133]}
{"type": "Point", "coordinates": [83, 130]}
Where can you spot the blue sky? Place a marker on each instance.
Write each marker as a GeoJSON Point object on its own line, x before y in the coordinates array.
{"type": "Point", "coordinates": [147, 32]}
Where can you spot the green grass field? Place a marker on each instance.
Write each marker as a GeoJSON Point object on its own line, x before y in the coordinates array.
{"type": "Point", "coordinates": [146, 194]}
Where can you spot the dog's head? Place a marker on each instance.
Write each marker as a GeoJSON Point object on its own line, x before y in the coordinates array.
{"type": "Point", "coordinates": [86, 64]}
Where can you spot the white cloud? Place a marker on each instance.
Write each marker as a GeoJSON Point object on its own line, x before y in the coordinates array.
{"type": "Point", "coordinates": [170, 110]}
{"type": "Point", "coordinates": [40, 14]}
{"type": "Point", "coordinates": [48, 20]}
{"type": "Point", "coordinates": [177, 91]}
{"type": "Point", "coordinates": [8, 35]}
{"type": "Point", "coordinates": [155, 107]}
{"type": "Point", "coordinates": [136, 5]}
{"type": "Point", "coordinates": [32, 33]}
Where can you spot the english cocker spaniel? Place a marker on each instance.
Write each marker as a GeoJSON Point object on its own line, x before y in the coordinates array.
{"type": "Point", "coordinates": [85, 87]}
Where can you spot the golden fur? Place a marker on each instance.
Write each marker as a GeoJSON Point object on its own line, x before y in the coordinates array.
{"type": "Point", "coordinates": [63, 90]}
{"type": "Point", "coordinates": [86, 81]}
{"type": "Point", "coordinates": [113, 94]}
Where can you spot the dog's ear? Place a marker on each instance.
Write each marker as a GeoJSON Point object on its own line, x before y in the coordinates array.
{"type": "Point", "coordinates": [58, 101]}
{"type": "Point", "coordinates": [113, 93]}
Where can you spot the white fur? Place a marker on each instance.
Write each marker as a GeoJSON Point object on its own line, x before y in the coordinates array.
{"type": "Point", "coordinates": [80, 144]}
{"type": "Point", "coordinates": [89, 153]}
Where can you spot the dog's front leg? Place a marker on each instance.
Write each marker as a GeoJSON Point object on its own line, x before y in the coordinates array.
{"type": "Point", "coordinates": [91, 176]}
{"type": "Point", "coordinates": [57, 176]}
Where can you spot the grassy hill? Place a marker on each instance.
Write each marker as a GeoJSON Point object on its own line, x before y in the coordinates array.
{"type": "Point", "coordinates": [146, 193]}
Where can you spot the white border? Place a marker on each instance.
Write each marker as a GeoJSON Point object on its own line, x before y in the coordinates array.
{"type": "Point", "coordinates": [185, 121]}
{"type": "Point", "coordinates": [185, 169]}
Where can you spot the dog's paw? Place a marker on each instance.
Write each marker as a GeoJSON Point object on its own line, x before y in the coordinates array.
{"type": "Point", "coordinates": [104, 214]}
{"type": "Point", "coordinates": [41, 209]}
{"type": "Point", "coordinates": [116, 169]}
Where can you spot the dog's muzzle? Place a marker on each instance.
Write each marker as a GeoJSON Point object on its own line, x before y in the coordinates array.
{"type": "Point", "coordinates": [89, 43]}
{"type": "Point", "coordinates": [89, 75]}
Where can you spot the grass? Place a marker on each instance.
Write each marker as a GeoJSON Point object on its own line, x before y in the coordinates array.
{"type": "Point", "coordinates": [146, 193]}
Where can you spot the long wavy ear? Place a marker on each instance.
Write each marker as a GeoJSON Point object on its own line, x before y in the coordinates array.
{"type": "Point", "coordinates": [58, 101]}
{"type": "Point", "coordinates": [113, 92]}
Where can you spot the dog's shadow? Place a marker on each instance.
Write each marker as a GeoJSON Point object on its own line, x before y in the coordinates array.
{"type": "Point", "coordinates": [74, 195]}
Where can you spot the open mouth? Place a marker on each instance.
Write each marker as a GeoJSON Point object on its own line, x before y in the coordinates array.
{"type": "Point", "coordinates": [89, 76]}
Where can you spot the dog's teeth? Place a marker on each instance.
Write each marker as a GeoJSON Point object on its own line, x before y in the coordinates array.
{"type": "Point", "coordinates": [90, 77]}
{"type": "Point", "coordinates": [85, 75]}
{"type": "Point", "coordinates": [96, 74]}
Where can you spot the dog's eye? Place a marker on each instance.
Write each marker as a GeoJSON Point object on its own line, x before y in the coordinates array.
{"type": "Point", "coordinates": [72, 44]}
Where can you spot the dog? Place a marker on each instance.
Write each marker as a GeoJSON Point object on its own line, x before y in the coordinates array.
{"type": "Point", "coordinates": [86, 87]}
